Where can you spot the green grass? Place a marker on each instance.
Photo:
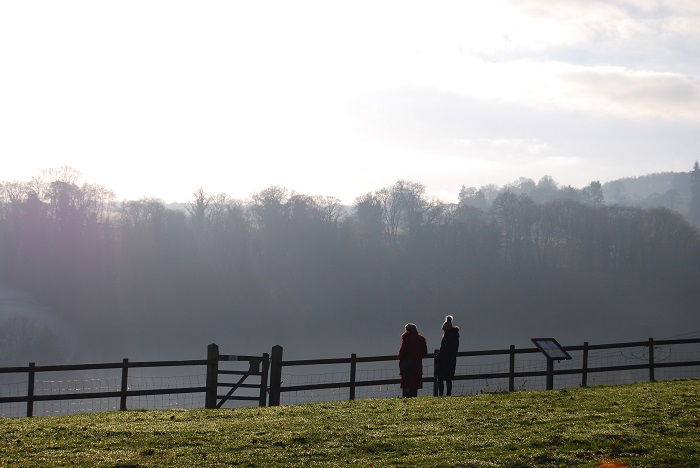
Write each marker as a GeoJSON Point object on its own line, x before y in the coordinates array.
{"type": "Point", "coordinates": [642, 425]}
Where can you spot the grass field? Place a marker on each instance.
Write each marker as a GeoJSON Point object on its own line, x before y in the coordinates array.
{"type": "Point", "coordinates": [641, 425]}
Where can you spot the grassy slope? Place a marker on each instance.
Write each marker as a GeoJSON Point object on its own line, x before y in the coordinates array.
{"type": "Point", "coordinates": [643, 425]}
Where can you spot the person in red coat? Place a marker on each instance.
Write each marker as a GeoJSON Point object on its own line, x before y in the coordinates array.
{"type": "Point", "coordinates": [413, 350]}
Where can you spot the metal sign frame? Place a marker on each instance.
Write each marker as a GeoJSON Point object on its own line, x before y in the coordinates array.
{"type": "Point", "coordinates": [536, 342]}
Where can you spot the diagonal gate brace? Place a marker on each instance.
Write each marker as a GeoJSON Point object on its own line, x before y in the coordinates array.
{"type": "Point", "coordinates": [233, 389]}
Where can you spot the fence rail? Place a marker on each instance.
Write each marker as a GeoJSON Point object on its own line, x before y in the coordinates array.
{"type": "Point", "coordinates": [210, 390]}
{"type": "Point", "coordinates": [269, 370]}
{"type": "Point", "coordinates": [276, 387]}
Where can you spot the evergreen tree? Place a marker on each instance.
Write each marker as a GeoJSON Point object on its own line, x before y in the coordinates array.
{"type": "Point", "coordinates": [594, 193]}
{"type": "Point", "coordinates": [694, 207]}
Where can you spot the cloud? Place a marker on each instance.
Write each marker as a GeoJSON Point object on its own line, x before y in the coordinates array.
{"type": "Point", "coordinates": [681, 26]}
{"type": "Point", "coordinates": [626, 28]}
{"type": "Point", "coordinates": [638, 94]}
{"type": "Point", "coordinates": [585, 19]}
{"type": "Point", "coordinates": [521, 151]}
{"type": "Point", "coordinates": [244, 95]}
{"type": "Point", "coordinates": [601, 90]}
{"type": "Point", "coordinates": [691, 7]}
{"type": "Point", "coordinates": [500, 145]}
{"type": "Point", "coordinates": [552, 162]}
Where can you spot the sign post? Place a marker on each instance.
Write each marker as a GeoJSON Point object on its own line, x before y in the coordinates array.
{"type": "Point", "coordinates": [552, 351]}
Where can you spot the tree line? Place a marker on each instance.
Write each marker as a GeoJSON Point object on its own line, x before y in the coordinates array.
{"type": "Point", "coordinates": [284, 267]}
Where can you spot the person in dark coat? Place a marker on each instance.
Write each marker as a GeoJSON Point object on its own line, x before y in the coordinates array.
{"type": "Point", "coordinates": [413, 350]}
{"type": "Point", "coordinates": [447, 357]}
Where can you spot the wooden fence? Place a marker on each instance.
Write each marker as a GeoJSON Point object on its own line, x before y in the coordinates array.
{"type": "Point", "coordinates": [213, 380]}
{"type": "Point", "coordinates": [122, 394]}
{"type": "Point", "coordinates": [265, 366]}
{"type": "Point", "coordinates": [276, 387]}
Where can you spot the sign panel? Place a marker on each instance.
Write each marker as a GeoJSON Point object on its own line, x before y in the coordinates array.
{"type": "Point", "coordinates": [551, 348]}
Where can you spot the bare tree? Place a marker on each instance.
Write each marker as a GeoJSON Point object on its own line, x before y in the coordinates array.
{"type": "Point", "coordinates": [269, 207]}
{"type": "Point", "coordinates": [391, 212]}
{"type": "Point", "coordinates": [199, 206]}
{"type": "Point", "coordinates": [331, 209]}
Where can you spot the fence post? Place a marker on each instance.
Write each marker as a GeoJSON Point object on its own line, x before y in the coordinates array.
{"type": "Point", "coordinates": [353, 372]}
{"type": "Point", "coordinates": [212, 375]}
{"type": "Point", "coordinates": [550, 374]}
{"type": "Point", "coordinates": [30, 390]}
{"type": "Point", "coordinates": [511, 371]}
{"type": "Point", "coordinates": [436, 377]}
{"type": "Point", "coordinates": [263, 379]}
{"type": "Point", "coordinates": [275, 375]}
{"type": "Point", "coordinates": [125, 377]}
{"type": "Point", "coordinates": [651, 360]}
{"type": "Point", "coordinates": [584, 366]}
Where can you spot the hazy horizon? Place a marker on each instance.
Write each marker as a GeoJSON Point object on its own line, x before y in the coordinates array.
{"type": "Point", "coordinates": [453, 198]}
{"type": "Point", "coordinates": [156, 99]}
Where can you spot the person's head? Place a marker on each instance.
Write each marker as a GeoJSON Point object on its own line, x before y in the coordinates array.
{"type": "Point", "coordinates": [447, 324]}
{"type": "Point", "coordinates": [411, 327]}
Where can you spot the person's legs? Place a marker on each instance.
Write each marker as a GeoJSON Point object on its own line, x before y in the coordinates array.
{"type": "Point", "coordinates": [441, 386]}
{"type": "Point", "coordinates": [449, 387]}
{"type": "Point", "coordinates": [406, 392]}
{"type": "Point", "coordinates": [414, 392]}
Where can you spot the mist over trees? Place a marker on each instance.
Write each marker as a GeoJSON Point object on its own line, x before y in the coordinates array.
{"type": "Point", "coordinates": [670, 190]}
{"type": "Point", "coordinates": [136, 278]}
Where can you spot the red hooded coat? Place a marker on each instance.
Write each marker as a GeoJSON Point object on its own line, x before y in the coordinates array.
{"type": "Point", "coordinates": [413, 347]}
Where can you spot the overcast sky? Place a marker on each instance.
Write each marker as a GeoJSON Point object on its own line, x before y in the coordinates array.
{"type": "Point", "coordinates": [157, 98]}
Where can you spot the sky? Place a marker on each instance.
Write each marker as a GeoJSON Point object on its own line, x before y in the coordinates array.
{"type": "Point", "coordinates": [159, 98]}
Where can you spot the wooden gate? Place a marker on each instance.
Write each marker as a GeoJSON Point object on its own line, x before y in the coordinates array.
{"type": "Point", "coordinates": [248, 366]}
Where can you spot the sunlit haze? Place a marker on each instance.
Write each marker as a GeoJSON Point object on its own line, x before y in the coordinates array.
{"type": "Point", "coordinates": [158, 98]}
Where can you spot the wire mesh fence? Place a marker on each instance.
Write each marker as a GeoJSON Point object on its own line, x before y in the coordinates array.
{"type": "Point", "coordinates": [81, 384]}
{"type": "Point", "coordinates": [12, 387]}
{"type": "Point", "coordinates": [470, 366]}
{"type": "Point", "coordinates": [61, 383]}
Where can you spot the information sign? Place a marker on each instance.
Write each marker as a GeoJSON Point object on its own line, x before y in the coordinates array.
{"type": "Point", "coordinates": [551, 348]}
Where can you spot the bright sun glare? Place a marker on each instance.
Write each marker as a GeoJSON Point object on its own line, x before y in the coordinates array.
{"type": "Point", "coordinates": [158, 98]}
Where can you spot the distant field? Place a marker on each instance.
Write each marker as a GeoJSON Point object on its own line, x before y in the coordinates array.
{"type": "Point", "coordinates": [642, 425]}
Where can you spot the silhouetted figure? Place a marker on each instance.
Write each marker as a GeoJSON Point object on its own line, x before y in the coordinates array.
{"type": "Point", "coordinates": [413, 350]}
{"type": "Point", "coordinates": [447, 357]}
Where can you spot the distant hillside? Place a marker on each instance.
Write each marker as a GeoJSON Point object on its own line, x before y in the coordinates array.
{"type": "Point", "coordinates": [665, 189]}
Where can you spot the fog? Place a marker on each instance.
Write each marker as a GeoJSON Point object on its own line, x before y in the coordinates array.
{"type": "Point", "coordinates": [87, 278]}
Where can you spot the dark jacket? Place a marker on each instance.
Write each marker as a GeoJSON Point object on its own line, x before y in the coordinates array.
{"type": "Point", "coordinates": [447, 359]}
{"type": "Point", "coordinates": [413, 349]}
